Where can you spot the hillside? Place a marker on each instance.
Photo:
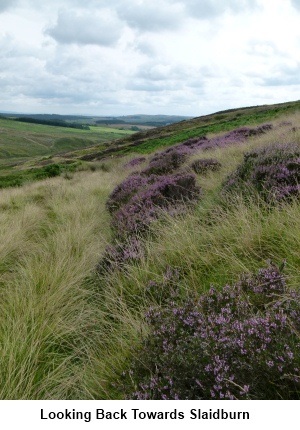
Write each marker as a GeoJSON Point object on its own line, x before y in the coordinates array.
{"type": "Point", "coordinates": [26, 148]}
{"type": "Point", "coordinates": [107, 270]}
{"type": "Point", "coordinates": [148, 141]}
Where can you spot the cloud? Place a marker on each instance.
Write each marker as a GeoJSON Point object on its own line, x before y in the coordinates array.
{"type": "Point", "coordinates": [151, 17]}
{"type": "Point", "coordinates": [296, 3]}
{"type": "Point", "coordinates": [205, 9]}
{"type": "Point", "coordinates": [285, 76]}
{"type": "Point", "coordinates": [165, 78]}
{"type": "Point", "coordinates": [265, 49]}
{"type": "Point", "coordinates": [5, 4]}
{"type": "Point", "coordinates": [86, 28]}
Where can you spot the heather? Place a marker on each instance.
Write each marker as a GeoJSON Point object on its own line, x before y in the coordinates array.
{"type": "Point", "coordinates": [143, 198]}
{"type": "Point", "coordinates": [202, 166]}
{"type": "Point", "coordinates": [168, 193]}
{"type": "Point", "coordinates": [120, 253]}
{"type": "Point", "coordinates": [171, 159]}
{"type": "Point", "coordinates": [135, 162]}
{"type": "Point", "coordinates": [140, 198]}
{"type": "Point", "coordinates": [239, 342]}
{"type": "Point", "coordinates": [126, 190]}
{"type": "Point", "coordinates": [212, 243]}
{"type": "Point", "coordinates": [273, 171]}
{"type": "Point", "coordinates": [167, 161]}
{"type": "Point", "coordinates": [236, 136]}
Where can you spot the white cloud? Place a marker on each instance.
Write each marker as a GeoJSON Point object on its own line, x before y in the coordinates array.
{"type": "Point", "coordinates": [284, 75]}
{"type": "Point", "coordinates": [6, 4]}
{"type": "Point", "coordinates": [133, 56]}
{"type": "Point", "coordinates": [206, 9]}
{"type": "Point", "coordinates": [296, 3]}
{"type": "Point", "coordinates": [149, 16]}
{"type": "Point", "coordinates": [86, 28]}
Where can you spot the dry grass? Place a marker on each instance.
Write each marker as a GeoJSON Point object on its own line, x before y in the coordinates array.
{"type": "Point", "coordinates": [52, 235]}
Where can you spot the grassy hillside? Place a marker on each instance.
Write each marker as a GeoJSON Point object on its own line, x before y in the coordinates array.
{"type": "Point", "coordinates": [25, 149]}
{"type": "Point", "coordinates": [29, 140]}
{"type": "Point", "coordinates": [109, 288]}
{"type": "Point", "coordinates": [149, 141]}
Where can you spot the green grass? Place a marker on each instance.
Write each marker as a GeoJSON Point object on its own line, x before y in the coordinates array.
{"type": "Point", "coordinates": [22, 140]}
{"type": "Point", "coordinates": [221, 125]}
{"type": "Point", "coordinates": [23, 147]}
{"type": "Point", "coordinates": [110, 131]}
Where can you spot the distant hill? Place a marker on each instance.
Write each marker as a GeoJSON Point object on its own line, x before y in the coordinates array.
{"type": "Point", "coordinates": [139, 120]}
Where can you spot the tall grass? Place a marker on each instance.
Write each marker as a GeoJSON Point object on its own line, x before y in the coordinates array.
{"type": "Point", "coordinates": [53, 234]}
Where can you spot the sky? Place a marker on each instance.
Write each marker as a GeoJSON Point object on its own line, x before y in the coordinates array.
{"type": "Point", "coordinates": [122, 57]}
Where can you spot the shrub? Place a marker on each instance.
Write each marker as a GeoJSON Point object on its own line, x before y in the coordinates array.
{"type": "Point", "coordinates": [273, 171]}
{"type": "Point", "coordinates": [238, 135]}
{"type": "Point", "coordinates": [167, 161]}
{"type": "Point", "coordinates": [135, 162]}
{"type": "Point", "coordinates": [162, 193]}
{"type": "Point", "coordinates": [120, 253]}
{"type": "Point", "coordinates": [167, 287]}
{"type": "Point", "coordinates": [195, 141]}
{"type": "Point", "coordinates": [205, 164]}
{"type": "Point", "coordinates": [52, 170]}
{"type": "Point", "coordinates": [124, 191]}
{"type": "Point", "coordinates": [238, 343]}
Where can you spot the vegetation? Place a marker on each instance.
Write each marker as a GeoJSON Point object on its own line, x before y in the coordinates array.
{"type": "Point", "coordinates": [151, 140]}
{"type": "Point", "coordinates": [53, 233]}
{"type": "Point", "coordinates": [238, 343]}
{"type": "Point", "coordinates": [205, 275]}
{"type": "Point", "coordinates": [274, 171]}
{"type": "Point", "coordinates": [54, 123]}
{"type": "Point", "coordinates": [20, 177]}
{"type": "Point", "coordinates": [26, 148]}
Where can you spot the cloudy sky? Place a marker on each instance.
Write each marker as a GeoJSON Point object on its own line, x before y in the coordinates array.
{"type": "Point", "coordinates": [118, 57]}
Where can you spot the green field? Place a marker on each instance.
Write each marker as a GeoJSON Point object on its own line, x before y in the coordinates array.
{"type": "Point", "coordinates": [23, 140]}
{"type": "Point", "coordinates": [26, 148]}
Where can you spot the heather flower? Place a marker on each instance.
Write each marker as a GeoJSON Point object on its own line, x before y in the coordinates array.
{"type": "Point", "coordinates": [273, 171]}
{"type": "Point", "coordinates": [126, 190]}
{"type": "Point", "coordinates": [167, 161]}
{"type": "Point", "coordinates": [169, 193]}
{"type": "Point", "coordinates": [235, 343]}
{"type": "Point", "coordinates": [120, 253]}
{"type": "Point", "coordinates": [167, 288]}
{"type": "Point", "coordinates": [135, 162]}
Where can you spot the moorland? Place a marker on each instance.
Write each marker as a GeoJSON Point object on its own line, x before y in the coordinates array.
{"type": "Point", "coordinates": [162, 264]}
